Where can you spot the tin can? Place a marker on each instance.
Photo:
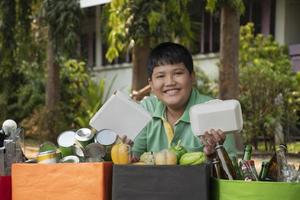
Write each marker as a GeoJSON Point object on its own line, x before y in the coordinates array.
{"type": "Point", "coordinates": [107, 138]}
{"type": "Point", "coordinates": [84, 136]}
{"type": "Point", "coordinates": [70, 159]}
{"type": "Point", "coordinates": [95, 152]}
{"type": "Point", "coordinates": [46, 157]}
{"type": "Point", "coordinates": [80, 152]}
{"type": "Point", "coordinates": [65, 141]}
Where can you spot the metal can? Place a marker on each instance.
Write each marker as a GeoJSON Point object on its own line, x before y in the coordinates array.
{"type": "Point", "coordinates": [70, 159]}
{"type": "Point", "coordinates": [65, 141]}
{"type": "Point", "coordinates": [95, 152]}
{"type": "Point", "coordinates": [107, 138]}
{"type": "Point", "coordinates": [80, 152]}
{"type": "Point", "coordinates": [84, 136]}
{"type": "Point", "coordinates": [46, 157]}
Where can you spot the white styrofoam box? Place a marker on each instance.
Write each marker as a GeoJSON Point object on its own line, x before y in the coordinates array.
{"type": "Point", "coordinates": [216, 114]}
{"type": "Point", "coordinates": [122, 115]}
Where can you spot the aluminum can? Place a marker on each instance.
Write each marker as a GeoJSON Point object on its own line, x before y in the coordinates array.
{"type": "Point", "coordinates": [46, 157]}
{"type": "Point", "coordinates": [66, 141]}
{"type": "Point", "coordinates": [95, 152]}
{"type": "Point", "coordinates": [84, 136]}
{"type": "Point", "coordinates": [107, 138]}
{"type": "Point", "coordinates": [70, 159]}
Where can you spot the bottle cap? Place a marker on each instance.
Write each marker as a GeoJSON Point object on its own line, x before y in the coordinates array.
{"type": "Point", "coordinates": [248, 147]}
{"type": "Point", "coordinates": [283, 146]}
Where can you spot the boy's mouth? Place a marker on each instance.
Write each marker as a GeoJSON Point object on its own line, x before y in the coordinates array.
{"type": "Point", "coordinates": [172, 91]}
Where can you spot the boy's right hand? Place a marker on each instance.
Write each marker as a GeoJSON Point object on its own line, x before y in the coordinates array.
{"type": "Point", "coordinates": [210, 139]}
{"type": "Point", "coordinates": [126, 140]}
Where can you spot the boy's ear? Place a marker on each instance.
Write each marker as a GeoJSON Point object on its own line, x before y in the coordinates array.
{"type": "Point", "coordinates": [150, 83]}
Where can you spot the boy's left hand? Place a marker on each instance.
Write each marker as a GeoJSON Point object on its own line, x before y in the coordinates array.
{"type": "Point", "coordinates": [210, 139]}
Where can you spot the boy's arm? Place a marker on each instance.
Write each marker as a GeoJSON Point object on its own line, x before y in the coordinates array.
{"type": "Point", "coordinates": [229, 145]}
{"type": "Point", "coordinates": [140, 144]}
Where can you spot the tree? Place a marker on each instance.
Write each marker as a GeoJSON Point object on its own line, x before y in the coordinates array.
{"type": "Point", "coordinates": [62, 18]}
{"type": "Point", "coordinates": [14, 22]}
{"type": "Point", "coordinates": [267, 86]}
{"type": "Point", "coordinates": [229, 48]}
{"type": "Point", "coordinates": [143, 24]}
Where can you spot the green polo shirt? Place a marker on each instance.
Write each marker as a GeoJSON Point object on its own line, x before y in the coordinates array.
{"type": "Point", "coordinates": [153, 137]}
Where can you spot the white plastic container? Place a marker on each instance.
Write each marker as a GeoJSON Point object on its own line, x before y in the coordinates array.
{"type": "Point", "coordinates": [216, 114]}
{"type": "Point", "coordinates": [121, 115]}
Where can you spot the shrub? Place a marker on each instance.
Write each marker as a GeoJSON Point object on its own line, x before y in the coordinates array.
{"type": "Point", "coordinates": [266, 82]}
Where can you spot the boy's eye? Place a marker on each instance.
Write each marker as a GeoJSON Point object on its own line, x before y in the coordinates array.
{"type": "Point", "coordinates": [179, 73]}
{"type": "Point", "coordinates": [159, 76]}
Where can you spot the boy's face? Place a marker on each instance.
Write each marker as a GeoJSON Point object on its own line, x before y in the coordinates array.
{"type": "Point", "coordinates": [172, 84]}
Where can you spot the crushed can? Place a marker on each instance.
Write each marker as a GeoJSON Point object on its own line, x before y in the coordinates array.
{"type": "Point", "coordinates": [95, 152]}
{"type": "Point", "coordinates": [80, 152]}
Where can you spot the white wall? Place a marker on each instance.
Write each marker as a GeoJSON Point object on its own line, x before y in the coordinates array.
{"type": "Point", "coordinates": [287, 25]}
{"type": "Point", "coordinates": [292, 22]}
{"type": "Point", "coordinates": [118, 75]}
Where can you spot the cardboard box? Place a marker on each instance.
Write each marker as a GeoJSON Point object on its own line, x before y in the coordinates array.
{"type": "Point", "coordinates": [160, 182]}
{"type": "Point", "coordinates": [64, 181]}
{"type": "Point", "coordinates": [5, 187]}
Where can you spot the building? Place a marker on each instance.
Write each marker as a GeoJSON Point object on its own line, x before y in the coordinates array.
{"type": "Point", "coordinates": [276, 17]}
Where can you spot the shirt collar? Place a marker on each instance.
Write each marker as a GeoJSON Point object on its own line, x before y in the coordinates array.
{"type": "Point", "coordinates": [161, 108]}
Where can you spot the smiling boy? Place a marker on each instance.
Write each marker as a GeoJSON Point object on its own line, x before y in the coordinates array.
{"type": "Point", "coordinates": [171, 77]}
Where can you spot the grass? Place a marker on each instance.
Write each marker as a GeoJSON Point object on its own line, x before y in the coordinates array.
{"type": "Point", "coordinates": [293, 147]}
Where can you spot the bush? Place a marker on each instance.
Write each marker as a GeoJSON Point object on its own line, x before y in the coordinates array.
{"type": "Point", "coordinates": [204, 85]}
{"type": "Point", "coordinates": [81, 97]}
{"type": "Point", "coordinates": [266, 82]}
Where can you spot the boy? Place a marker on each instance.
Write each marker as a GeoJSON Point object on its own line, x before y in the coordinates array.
{"type": "Point", "coordinates": [171, 77]}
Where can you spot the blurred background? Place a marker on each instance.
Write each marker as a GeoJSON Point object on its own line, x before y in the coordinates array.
{"type": "Point", "coordinates": [61, 59]}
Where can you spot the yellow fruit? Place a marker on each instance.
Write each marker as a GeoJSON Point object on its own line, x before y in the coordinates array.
{"type": "Point", "coordinates": [139, 163]}
{"type": "Point", "coordinates": [165, 157]}
{"type": "Point", "coordinates": [120, 153]}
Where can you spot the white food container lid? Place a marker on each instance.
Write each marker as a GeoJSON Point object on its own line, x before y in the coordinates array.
{"type": "Point", "coordinates": [216, 114]}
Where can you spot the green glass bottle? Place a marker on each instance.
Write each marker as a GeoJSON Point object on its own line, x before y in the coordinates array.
{"type": "Point", "coordinates": [247, 152]}
{"type": "Point", "coordinates": [237, 168]}
{"type": "Point", "coordinates": [263, 171]}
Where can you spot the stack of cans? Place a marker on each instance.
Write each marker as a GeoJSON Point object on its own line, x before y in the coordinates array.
{"type": "Point", "coordinates": [83, 145]}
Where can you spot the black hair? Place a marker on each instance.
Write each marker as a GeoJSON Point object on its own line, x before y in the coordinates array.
{"type": "Point", "coordinates": [169, 53]}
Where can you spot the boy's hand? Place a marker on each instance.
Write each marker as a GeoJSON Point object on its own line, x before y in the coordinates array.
{"type": "Point", "coordinates": [126, 140]}
{"type": "Point", "coordinates": [210, 139]}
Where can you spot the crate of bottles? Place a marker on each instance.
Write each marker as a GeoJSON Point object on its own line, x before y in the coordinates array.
{"type": "Point", "coordinates": [250, 190]}
{"type": "Point", "coordinates": [277, 179]}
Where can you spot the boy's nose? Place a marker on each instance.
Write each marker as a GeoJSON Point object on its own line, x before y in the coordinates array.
{"type": "Point", "coordinates": [170, 80]}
